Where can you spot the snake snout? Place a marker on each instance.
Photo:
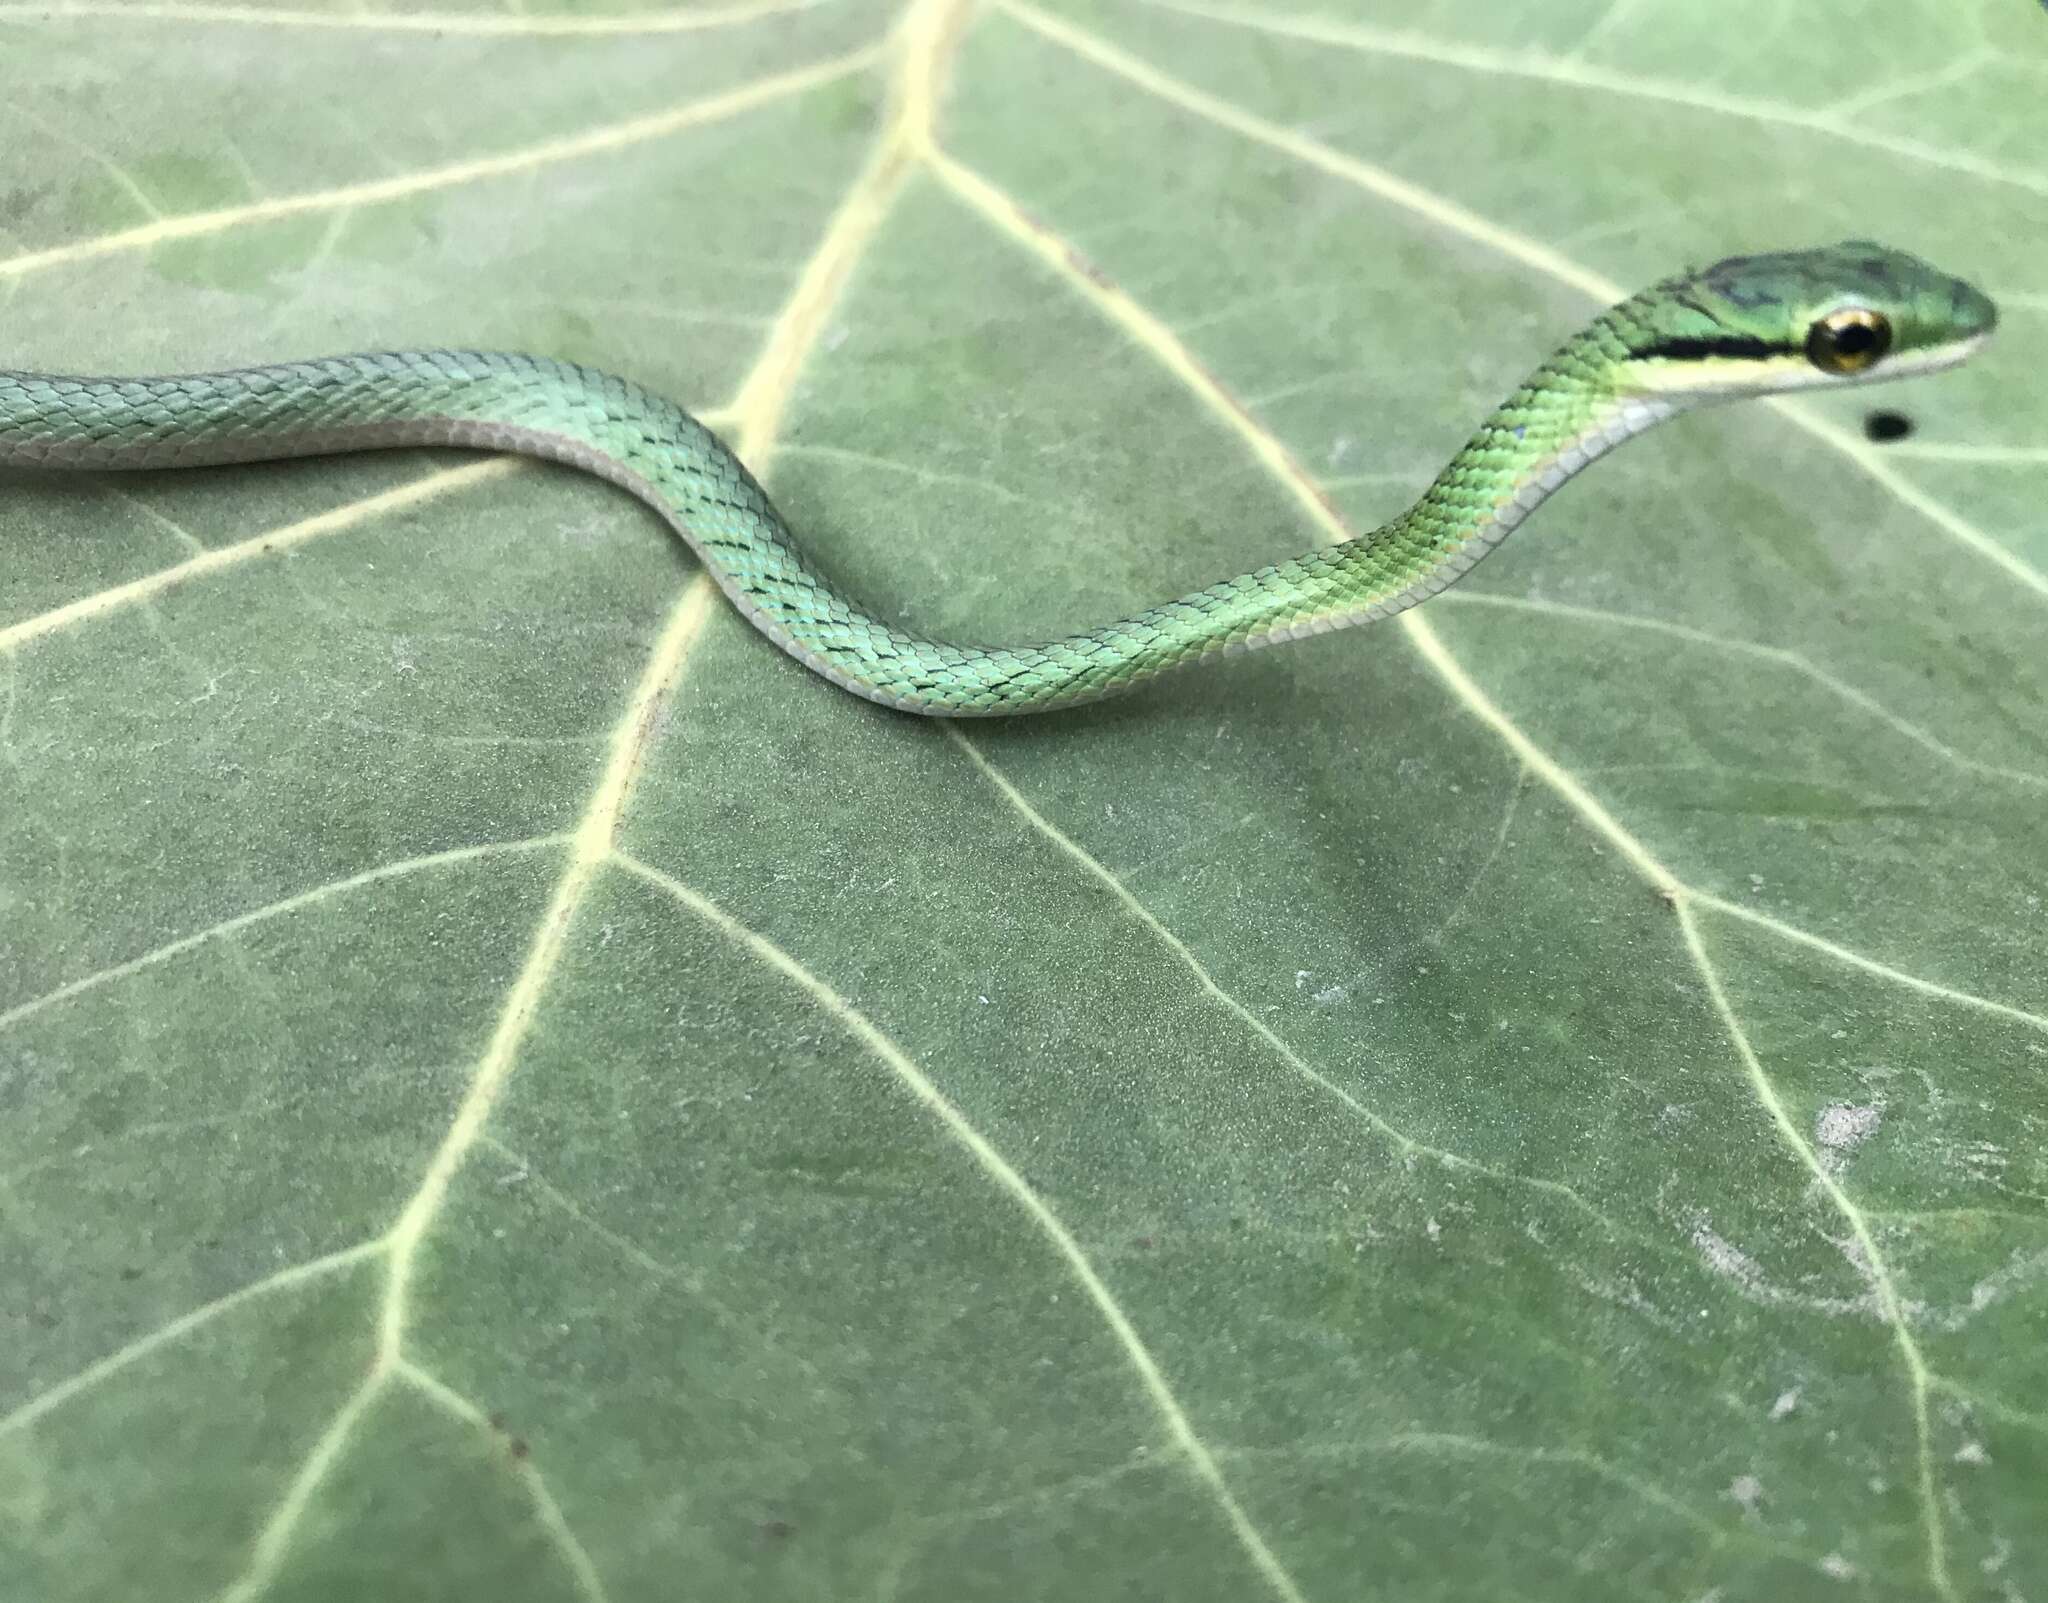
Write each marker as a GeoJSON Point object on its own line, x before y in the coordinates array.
{"type": "Point", "coordinates": [1976, 314]}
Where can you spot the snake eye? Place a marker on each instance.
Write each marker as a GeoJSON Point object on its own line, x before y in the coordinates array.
{"type": "Point", "coordinates": [1848, 341]}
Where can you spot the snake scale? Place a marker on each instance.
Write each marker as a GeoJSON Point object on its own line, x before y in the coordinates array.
{"type": "Point", "coordinates": [1748, 325]}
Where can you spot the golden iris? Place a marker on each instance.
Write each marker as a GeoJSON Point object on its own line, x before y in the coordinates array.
{"type": "Point", "coordinates": [1848, 341]}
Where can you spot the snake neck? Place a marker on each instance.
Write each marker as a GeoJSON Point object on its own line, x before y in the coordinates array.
{"type": "Point", "coordinates": [1566, 415]}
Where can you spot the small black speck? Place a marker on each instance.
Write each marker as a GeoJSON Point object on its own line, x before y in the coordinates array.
{"type": "Point", "coordinates": [777, 1530]}
{"type": "Point", "coordinates": [131, 1273]}
{"type": "Point", "coordinates": [1887, 426]}
{"type": "Point", "coordinates": [498, 1420]}
{"type": "Point", "coordinates": [519, 1448]}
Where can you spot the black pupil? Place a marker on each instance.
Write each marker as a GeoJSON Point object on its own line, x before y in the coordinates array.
{"type": "Point", "coordinates": [1853, 339]}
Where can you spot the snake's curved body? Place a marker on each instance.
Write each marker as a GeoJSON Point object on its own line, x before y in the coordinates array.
{"type": "Point", "coordinates": [1744, 326]}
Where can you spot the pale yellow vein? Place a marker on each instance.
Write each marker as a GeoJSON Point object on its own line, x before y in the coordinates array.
{"type": "Point", "coordinates": [923, 40]}
{"type": "Point", "coordinates": [313, 897]}
{"type": "Point", "coordinates": [1483, 707]}
{"type": "Point", "coordinates": [438, 23]}
{"type": "Point", "coordinates": [1784, 656]}
{"type": "Point", "coordinates": [1448, 214]}
{"type": "Point", "coordinates": [142, 1346]}
{"type": "Point", "coordinates": [1855, 959]}
{"type": "Point", "coordinates": [268, 543]}
{"type": "Point", "coordinates": [1310, 152]}
{"type": "Point", "coordinates": [274, 1540]}
{"type": "Point", "coordinates": [1873, 1265]}
{"type": "Point", "coordinates": [591, 142]}
{"type": "Point", "coordinates": [1831, 122]}
{"type": "Point", "coordinates": [588, 847]}
{"type": "Point", "coordinates": [1147, 331]}
{"type": "Point", "coordinates": [1938, 513]}
{"type": "Point", "coordinates": [998, 1168]}
{"type": "Point", "coordinates": [754, 415]}
{"type": "Point", "coordinates": [589, 1584]}
{"type": "Point", "coordinates": [1403, 1143]}
{"type": "Point", "coordinates": [1998, 456]}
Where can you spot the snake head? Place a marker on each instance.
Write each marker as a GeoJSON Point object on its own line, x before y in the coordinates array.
{"type": "Point", "coordinates": [1852, 313]}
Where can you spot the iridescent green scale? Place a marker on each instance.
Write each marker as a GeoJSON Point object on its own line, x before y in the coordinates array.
{"type": "Point", "coordinates": [1748, 325]}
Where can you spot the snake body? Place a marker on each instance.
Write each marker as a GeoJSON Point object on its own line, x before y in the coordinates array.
{"type": "Point", "coordinates": [1745, 326]}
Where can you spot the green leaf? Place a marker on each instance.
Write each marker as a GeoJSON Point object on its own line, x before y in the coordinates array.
{"type": "Point", "coordinates": [513, 1089]}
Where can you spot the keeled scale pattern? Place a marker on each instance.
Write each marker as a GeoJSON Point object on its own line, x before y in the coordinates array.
{"type": "Point", "coordinates": [1563, 415]}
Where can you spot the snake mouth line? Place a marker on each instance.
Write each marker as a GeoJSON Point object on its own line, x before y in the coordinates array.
{"type": "Point", "coordinates": [1731, 376]}
{"type": "Point", "coordinates": [1936, 359]}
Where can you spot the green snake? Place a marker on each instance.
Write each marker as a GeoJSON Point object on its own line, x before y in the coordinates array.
{"type": "Point", "coordinates": [1749, 325]}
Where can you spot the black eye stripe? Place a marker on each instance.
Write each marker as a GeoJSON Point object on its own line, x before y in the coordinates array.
{"type": "Point", "coordinates": [1732, 345]}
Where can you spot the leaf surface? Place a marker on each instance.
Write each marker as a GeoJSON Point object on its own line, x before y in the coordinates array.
{"type": "Point", "coordinates": [515, 1089]}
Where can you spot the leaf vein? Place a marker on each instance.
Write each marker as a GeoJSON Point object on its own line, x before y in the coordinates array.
{"type": "Point", "coordinates": [438, 23]}
{"type": "Point", "coordinates": [1152, 1379]}
{"type": "Point", "coordinates": [311, 897]}
{"type": "Point", "coordinates": [142, 1346]}
{"type": "Point", "coordinates": [591, 142]}
{"type": "Point", "coordinates": [589, 1584]}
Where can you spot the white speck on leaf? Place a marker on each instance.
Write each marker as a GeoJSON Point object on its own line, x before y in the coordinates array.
{"type": "Point", "coordinates": [1842, 1126]}
{"type": "Point", "coordinates": [1837, 1568]}
{"type": "Point", "coordinates": [1787, 1401]}
{"type": "Point", "coordinates": [1748, 1491]}
{"type": "Point", "coordinates": [1972, 1453]}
